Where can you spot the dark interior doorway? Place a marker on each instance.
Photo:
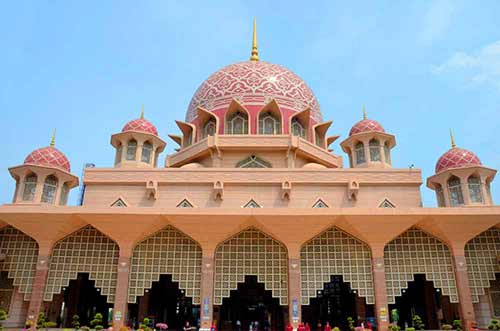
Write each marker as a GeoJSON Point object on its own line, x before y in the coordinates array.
{"type": "Point", "coordinates": [422, 299]}
{"type": "Point", "coordinates": [251, 303]}
{"type": "Point", "coordinates": [164, 303]}
{"type": "Point", "coordinates": [334, 304]}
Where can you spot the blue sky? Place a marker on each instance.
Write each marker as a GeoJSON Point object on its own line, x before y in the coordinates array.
{"type": "Point", "coordinates": [85, 67]}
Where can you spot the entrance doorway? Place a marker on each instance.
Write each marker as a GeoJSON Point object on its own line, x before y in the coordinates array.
{"type": "Point", "coordinates": [422, 299]}
{"type": "Point", "coordinates": [164, 303]}
{"type": "Point", "coordinates": [335, 304]}
{"type": "Point", "coordinates": [251, 302]}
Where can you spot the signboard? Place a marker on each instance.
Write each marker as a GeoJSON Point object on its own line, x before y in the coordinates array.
{"type": "Point", "coordinates": [295, 310]}
{"type": "Point", "coordinates": [206, 308]}
{"type": "Point", "coordinates": [118, 316]}
{"type": "Point", "coordinates": [383, 314]}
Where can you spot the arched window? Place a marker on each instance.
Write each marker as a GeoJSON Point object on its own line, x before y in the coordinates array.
{"type": "Point", "coordinates": [475, 190]}
{"type": "Point", "coordinates": [318, 138]}
{"type": "Point", "coordinates": [49, 189]}
{"type": "Point", "coordinates": [29, 187]}
{"type": "Point", "coordinates": [268, 124]}
{"type": "Point", "coordinates": [375, 150]}
{"type": "Point", "coordinates": [63, 200]}
{"type": "Point", "coordinates": [440, 195]}
{"type": "Point", "coordinates": [131, 150]}
{"type": "Point", "coordinates": [118, 156]}
{"type": "Point", "coordinates": [237, 123]}
{"type": "Point", "coordinates": [147, 151]}
{"type": "Point", "coordinates": [455, 191]}
{"type": "Point", "coordinates": [387, 153]}
{"type": "Point", "coordinates": [360, 153]}
{"type": "Point", "coordinates": [297, 128]}
{"type": "Point", "coordinates": [188, 139]}
{"type": "Point", "coordinates": [209, 128]}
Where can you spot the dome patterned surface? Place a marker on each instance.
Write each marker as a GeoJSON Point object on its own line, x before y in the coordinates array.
{"type": "Point", "coordinates": [140, 125]}
{"type": "Point", "coordinates": [456, 158]}
{"type": "Point", "coordinates": [366, 125]}
{"type": "Point", "coordinates": [254, 83]}
{"type": "Point", "coordinates": [48, 157]}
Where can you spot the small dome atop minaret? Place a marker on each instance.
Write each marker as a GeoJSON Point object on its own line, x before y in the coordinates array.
{"type": "Point", "coordinates": [366, 125]}
{"type": "Point", "coordinates": [456, 157]}
{"type": "Point", "coordinates": [49, 157]}
{"type": "Point", "coordinates": [141, 125]}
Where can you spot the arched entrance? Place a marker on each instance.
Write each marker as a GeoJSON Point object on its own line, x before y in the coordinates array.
{"type": "Point", "coordinates": [251, 281]}
{"type": "Point", "coordinates": [337, 281]}
{"type": "Point", "coordinates": [420, 279]}
{"type": "Point", "coordinates": [165, 277]}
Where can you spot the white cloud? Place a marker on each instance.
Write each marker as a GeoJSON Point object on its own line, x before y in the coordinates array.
{"type": "Point", "coordinates": [437, 19]}
{"type": "Point", "coordinates": [478, 67]}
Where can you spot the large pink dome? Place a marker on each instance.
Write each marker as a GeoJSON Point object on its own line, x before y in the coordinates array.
{"type": "Point", "coordinates": [254, 83]}
{"type": "Point", "coordinates": [48, 157]}
{"type": "Point", "coordinates": [456, 158]}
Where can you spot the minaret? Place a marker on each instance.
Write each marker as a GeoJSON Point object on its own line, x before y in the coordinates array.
{"type": "Point", "coordinates": [255, 51]}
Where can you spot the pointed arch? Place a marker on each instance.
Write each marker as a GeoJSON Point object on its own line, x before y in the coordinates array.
{"type": "Point", "coordinates": [237, 119]}
{"type": "Point", "coordinates": [269, 119]}
{"type": "Point", "coordinates": [417, 252]}
{"type": "Point", "coordinates": [481, 255]}
{"type": "Point", "coordinates": [253, 161]}
{"type": "Point", "coordinates": [20, 253]}
{"type": "Point", "coordinates": [386, 203]}
{"type": "Point", "coordinates": [335, 252]}
{"type": "Point", "coordinates": [251, 252]}
{"type": "Point", "coordinates": [252, 204]}
{"type": "Point", "coordinates": [168, 251]}
{"type": "Point", "coordinates": [303, 118]}
{"type": "Point", "coordinates": [208, 123]}
{"type": "Point", "coordinates": [185, 203]}
{"type": "Point", "coordinates": [84, 251]}
{"type": "Point", "coordinates": [320, 204]}
{"type": "Point", "coordinates": [120, 202]}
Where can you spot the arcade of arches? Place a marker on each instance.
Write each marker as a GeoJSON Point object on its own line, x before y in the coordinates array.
{"type": "Point", "coordinates": [167, 279]}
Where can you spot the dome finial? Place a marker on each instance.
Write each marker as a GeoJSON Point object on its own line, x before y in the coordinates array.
{"type": "Point", "coordinates": [255, 52]}
{"type": "Point", "coordinates": [53, 140]}
{"type": "Point", "coordinates": [142, 112]}
{"type": "Point", "coordinates": [364, 112]}
{"type": "Point", "coordinates": [452, 140]}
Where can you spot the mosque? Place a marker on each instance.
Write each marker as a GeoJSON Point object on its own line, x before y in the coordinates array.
{"type": "Point", "coordinates": [253, 218]}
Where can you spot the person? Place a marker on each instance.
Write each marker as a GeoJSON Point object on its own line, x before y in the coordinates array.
{"type": "Point", "coordinates": [213, 327]}
{"type": "Point", "coordinates": [289, 327]}
{"type": "Point", "coordinates": [307, 327]}
{"type": "Point", "coordinates": [328, 327]}
{"type": "Point", "coordinates": [238, 325]}
{"type": "Point", "coordinates": [250, 327]}
{"type": "Point", "coordinates": [301, 327]}
{"type": "Point", "coordinates": [187, 326]}
{"type": "Point", "coordinates": [319, 327]}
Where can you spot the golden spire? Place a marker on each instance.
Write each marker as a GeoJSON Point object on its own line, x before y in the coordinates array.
{"type": "Point", "coordinates": [142, 112]}
{"type": "Point", "coordinates": [364, 112]}
{"type": "Point", "coordinates": [452, 140]}
{"type": "Point", "coordinates": [53, 140]}
{"type": "Point", "coordinates": [255, 52]}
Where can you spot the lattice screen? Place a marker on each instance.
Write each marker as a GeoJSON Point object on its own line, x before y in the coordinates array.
{"type": "Point", "coordinates": [168, 251]}
{"type": "Point", "coordinates": [251, 253]}
{"type": "Point", "coordinates": [335, 252]}
{"type": "Point", "coordinates": [481, 254]}
{"type": "Point", "coordinates": [84, 251]}
{"type": "Point", "coordinates": [416, 252]}
{"type": "Point", "coordinates": [21, 254]}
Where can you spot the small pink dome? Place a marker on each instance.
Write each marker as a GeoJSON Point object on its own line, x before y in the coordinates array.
{"type": "Point", "coordinates": [366, 125]}
{"type": "Point", "coordinates": [140, 125]}
{"type": "Point", "coordinates": [456, 158]}
{"type": "Point", "coordinates": [48, 157]}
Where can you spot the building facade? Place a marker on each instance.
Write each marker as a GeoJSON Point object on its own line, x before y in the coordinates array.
{"type": "Point", "coordinates": [253, 218]}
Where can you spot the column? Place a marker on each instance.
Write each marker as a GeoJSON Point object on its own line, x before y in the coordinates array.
{"type": "Point", "coordinates": [39, 281]}
{"type": "Point", "coordinates": [380, 288]}
{"type": "Point", "coordinates": [294, 292]}
{"type": "Point", "coordinates": [121, 293]}
{"type": "Point", "coordinates": [207, 290]}
{"type": "Point", "coordinates": [464, 294]}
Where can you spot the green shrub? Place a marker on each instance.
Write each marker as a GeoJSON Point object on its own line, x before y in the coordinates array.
{"type": "Point", "coordinates": [49, 325]}
{"type": "Point", "coordinates": [40, 322]}
{"type": "Point", "coordinates": [457, 324]}
{"type": "Point", "coordinates": [97, 322]}
{"type": "Point", "coordinates": [350, 322]}
{"type": "Point", "coordinates": [85, 328]}
{"type": "Point", "coordinates": [418, 324]}
{"type": "Point", "coordinates": [145, 324]}
{"type": "Point", "coordinates": [336, 328]}
{"type": "Point", "coordinates": [494, 325]}
{"type": "Point", "coordinates": [394, 327]}
{"type": "Point", "coordinates": [447, 327]}
{"type": "Point", "coordinates": [410, 329]}
{"type": "Point", "coordinates": [75, 322]}
{"type": "Point", "coordinates": [3, 317]}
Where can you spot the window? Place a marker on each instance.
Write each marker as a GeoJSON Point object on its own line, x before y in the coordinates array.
{"type": "Point", "coordinates": [374, 150]}
{"type": "Point", "coordinates": [320, 204]}
{"type": "Point", "coordinates": [440, 195]}
{"type": "Point", "coordinates": [297, 128]}
{"type": "Point", "coordinates": [387, 153]}
{"type": "Point", "coordinates": [185, 204]}
{"type": "Point", "coordinates": [147, 151]}
{"type": "Point", "coordinates": [119, 203]}
{"type": "Point", "coordinates": [253, 162]}
{"type": "Point", "coordinates": [209, 128]}
{"type": "Point", "coordinates": [63, 200]}
{"type": "Point", "coordinates": [29, 187]}
{"type": "Point", "coordinates": [268, 124]}
{"type": "Point", "coordinates": [455, 191]}
{"type": "Point", "coordinates": [475, 189]}
{"type": "Point", "coordinates": [252, 204]}
{"type": "Point", "coordinates": [118, 156]}
{"type": "Point", "coordinates": [188, 139]}
{"type": "Point", "coordinates": [49, 189]}
{"type": "Point", "coordinates": [360, 153]}
{"type": "Point", "coordinates": [387, 204]}
{"type": "Point", "coordinates": [237, 123]}
{"type": "Point", "coordinates": [131, 150]}
{"type": "Point", "coordinates": [318, 138]}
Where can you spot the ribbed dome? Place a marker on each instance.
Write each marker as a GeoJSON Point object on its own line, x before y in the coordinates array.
{"type": "Point", "coordinates": [140, 125]}
{"type": "Point", "coordinates": [48, 157]}
{"type": "Point", "coordinates": [456, 158]}
{"type": "Point", "coordinates": [366, 125]}
{"type": "Point", "coordinates": [254, 83]}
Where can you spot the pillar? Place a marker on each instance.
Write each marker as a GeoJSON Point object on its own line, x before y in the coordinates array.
{"type": "Point", "coordinates": [380, 288]}
{"type": "Point", "coordinates": [39, 281]}
{"type": "Point", "coordinates": [464, 294]}
{"type": "Point", "coordinates": [121, 293]}
{"type": "Point", "coordinates": [294, 292]}
{"type": "Point", "coordinates": [207, 290]}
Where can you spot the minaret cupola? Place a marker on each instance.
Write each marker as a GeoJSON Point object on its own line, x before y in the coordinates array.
{"type": "Point", "coordinates": [368, 145]}
{"type": "Point", "coordinates": [138, 145]}
{"type": "Point", "coordinates": [44, 177]}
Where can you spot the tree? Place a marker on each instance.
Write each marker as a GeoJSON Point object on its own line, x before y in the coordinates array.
{"type": "Point", "coordinates": [76, 322]}
{"type": "Point", "coordinates": [457, 325]}
{"type": "Point", "coordinates": [350, 321]}
{"type": "Point", "coordinates": [97, 322]}
{"type": "Point", "coordinates": [40, 322]}
{"type": "Point", "coordinates": [3, 317]}
{"type": "Point", "coordinates": [418, 323]}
